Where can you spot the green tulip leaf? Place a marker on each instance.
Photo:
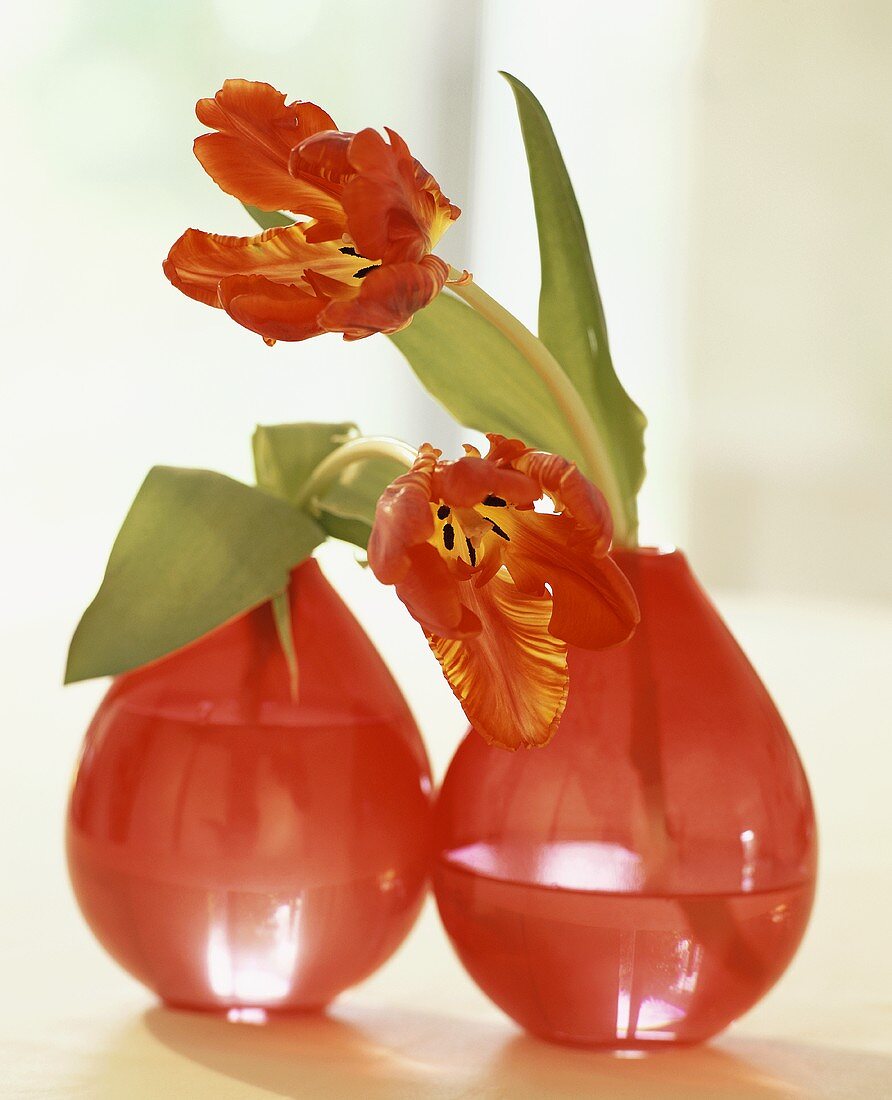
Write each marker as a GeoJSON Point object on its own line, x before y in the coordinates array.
{"type": "Point", "coordinates": [481, 378]}
{"type": "Point", "coordinates": [281, 605]}
{"type": "Point", "coordinates": [347, 510]}
{"type": "Point", "coordinates": [355, 531]}
{"type": "Point", "coordinates": [195, 550]}
{"type": "Point", "coordinates": [286, 454]}
{"type": "Point", "coordinates": [571, 317]}
{"type": "Point", "coordinates": [268, 219]}
{"type": "Point", "coordinates": [284, 457]}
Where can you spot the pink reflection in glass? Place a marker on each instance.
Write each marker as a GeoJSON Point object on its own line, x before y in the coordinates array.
{"type": "Point", "coordinates": [235, 850]}
{"type": "Point", "coordinates": [648, 876]}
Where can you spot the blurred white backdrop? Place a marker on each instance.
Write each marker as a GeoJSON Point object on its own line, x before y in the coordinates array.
{"type": "Point", "coordinates": [108, 370]}
{"type": "Point", "coordinates": [733, 162]}
{"type": "Point", "coordinates": [733, 165]}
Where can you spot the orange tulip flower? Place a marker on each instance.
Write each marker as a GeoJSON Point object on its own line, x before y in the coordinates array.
{"type": "Point", "coordinates": [362, 262]}
{"type": "Point", "coordinates": [500, 589]}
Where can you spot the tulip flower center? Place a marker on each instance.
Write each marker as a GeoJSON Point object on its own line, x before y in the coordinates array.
{"type": "Point", "coordinates": [463, 531]}
{"type": "Point", "coordinates": [348, 250]}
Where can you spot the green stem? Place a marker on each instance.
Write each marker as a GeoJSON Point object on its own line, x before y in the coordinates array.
{"type": "Point", "coordinates": [597, 464]}
{"type": "Point", "coordinates": [357, 450]}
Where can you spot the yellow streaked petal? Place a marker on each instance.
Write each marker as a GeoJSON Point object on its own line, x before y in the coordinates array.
{"type": "Point", "coordinates": [511, 679]}
{"type": "Point", "coordinates": [198, 261]}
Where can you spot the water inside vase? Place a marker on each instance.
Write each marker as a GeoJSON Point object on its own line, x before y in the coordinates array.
{"type": "Point", "coordinates": [200, 947]}
{"type": "Point", "coordinates": [233, 864]}
{"type": "Point", "coordinates": [558, 936]}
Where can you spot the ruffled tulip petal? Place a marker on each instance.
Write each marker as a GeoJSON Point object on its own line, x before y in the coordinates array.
{"type": "Point", "coordinates": [511, 678]}
{"type": "Point", "coordinates": [466, 482]}
{"type": "Point", "coordinates": [502, 449]}
{"type": "Point", "coordinates": [388, 298]}
{"type": "Point", "coordinates": [572, 493]}
{"type": "Point", "coordinates": [323, 156]}
{"type": "Point", "coordinates": [596, 611]}
{"type": "Point", "coordinates": [429, 206]}
{"type": "Point", "coordinates": [403, 519]}
{"type": "Point", "coordinates": [432, 595]}
{"type": "Point", "coordinates": [593, 603]}
{"type": "Point", "coordinates": [198, 261]}
{"type": "Point", "coordinates": [355, 188]}
{"type": "Point", "coordinates": [395, 210]}
{"type": "Point", "coordinates": [333, 289]}
{"type": "Point", "coordinates": [248, 156]}
{"type": "Point", "coordinates": [275, 311]}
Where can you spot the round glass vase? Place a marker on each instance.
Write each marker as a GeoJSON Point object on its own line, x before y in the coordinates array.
{"type": "Point", "coordinates": [647, 877]}
{"type": "Point", "coordinates": [233, 848]}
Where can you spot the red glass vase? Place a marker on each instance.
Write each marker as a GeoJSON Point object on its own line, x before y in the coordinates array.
{"type": "Point", "coordinates": [648, 876]}
{"type": "Point", "coordinates": [232, 848]}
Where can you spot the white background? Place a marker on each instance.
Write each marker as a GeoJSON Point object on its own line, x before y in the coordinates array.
{"type": "Point", "coordinates": [733, 163]}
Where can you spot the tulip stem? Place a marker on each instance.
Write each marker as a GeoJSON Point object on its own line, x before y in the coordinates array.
{"type": "Point", "coordinates": [355, 450]}
{"type": "Point", "coordinates": [597, 464]}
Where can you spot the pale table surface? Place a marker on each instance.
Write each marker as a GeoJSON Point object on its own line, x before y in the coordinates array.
{"type": "Point", "coordinates": [73, 1026]}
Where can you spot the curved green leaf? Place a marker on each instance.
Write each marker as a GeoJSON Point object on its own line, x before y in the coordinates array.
{"type": "Point", "coordinates": [284, 457]}
{"type": "Point", "coordinates": [481, 378]}
{"type": "Point", "coordinates": [571, 317]}
{"type": "Point", "coordinates": [281, 605]}
{"type": "Point", "coordinates": [286, 454]}
{"type": "Point", "coordinates": [347, 510]}
{"type": "Point", "coordinates": [268, 219]}
{"type": "Point", "coordinates": [195, 550]}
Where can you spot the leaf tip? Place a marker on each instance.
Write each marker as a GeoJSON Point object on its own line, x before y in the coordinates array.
{"type": "Point", "coordinates": [73, 673]}
{"type": "Point", "coordinates": [515, 82]}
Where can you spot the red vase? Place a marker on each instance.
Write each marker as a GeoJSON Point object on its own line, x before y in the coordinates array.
{"type": "Point", "coordinates": [231, 848]}
{"type": "Point", "coordinates": [645, 878]}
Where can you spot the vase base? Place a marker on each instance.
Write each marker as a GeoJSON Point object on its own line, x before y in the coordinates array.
{"type": "Point", "coordinates": [246, 1013]}
{"type": "Point", "coordinates": [618, 971]}
{"type": "Point", "coordinates": [622, 1048]}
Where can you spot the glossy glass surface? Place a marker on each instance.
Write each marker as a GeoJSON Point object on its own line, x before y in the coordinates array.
{"type": "Point", "coordinates": [233, 849]}
{"type": "Point", "coordinates": [648, 876]}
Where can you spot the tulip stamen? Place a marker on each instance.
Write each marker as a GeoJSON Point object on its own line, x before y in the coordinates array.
{"type": "Point", "coordinates": [494, 502]}
{"type": "Point", "coordinates": [348, 251]}
{"type": "Point", "coordinates": [443, 511]}
{"type": "Point", "coordinates": [497, 530]}
{"type": "Point", "coordinates": [363, 271]}
{"type": "Point", "coordinates": [448, 536]}
{"type": "Point", "coordinates": [472, 553]}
